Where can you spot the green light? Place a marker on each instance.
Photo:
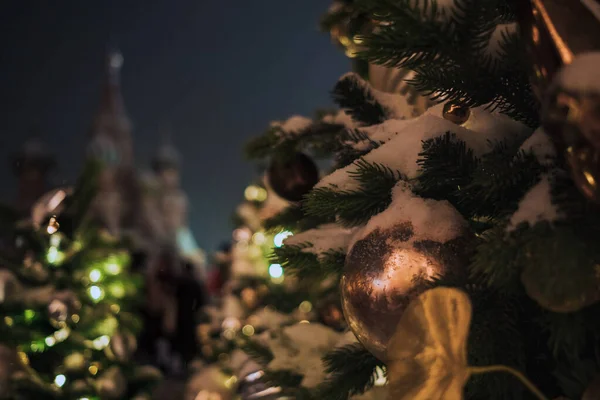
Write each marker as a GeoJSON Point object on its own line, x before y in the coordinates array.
{"type": "Point", "coordinates": [95, 275]}
{"type": "Point", "coordinates": [60, 380]}
{"type": "Point", "coordinates": [117, 289]}
{"type": "Point", "coordinates": [29, 315]}
{"type": "Point", "coordinates": [96, 293]}
{"type": "Point", "coordinates": [113, 268]}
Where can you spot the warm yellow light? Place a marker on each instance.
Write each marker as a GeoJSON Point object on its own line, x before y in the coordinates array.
{"type": "Point", "coordinates": [590, 178]}
{"type": "Point", "coordinates": [230, 382]}
{"type": "Point", "coordinates": [75, 318]}
{"type": "Point", "coordinates": [93, 369]}
{"type": "Point", "coordinates": [50, 341]}
{"type": "Point", "coordinates": [115, 308]}
{"type": "Point", "coordinates": [229, 334]}
{"type": "Point", "coordinates": [60, 380]}
{"type": "Point", "coordinates": [29, 315]}
{"type": "Point", "coordinates": [259, 238]}
{"type": "Point", "coordinates": [62, 334]}
{"type": "Point", "coordinates": [304, 321]}
{"type": "Point", "coordinates": [95, 275]}
{"type": "Point", "coordinates": [101, 342]}
{"type": "Point", "coordinates": [8, 321]}
{"type": "Point", "coordinates": [280, 237]}
{"type": "Point", "coordinates": [117, 289]}
{"type": "Point", "coordinates": [96, 293]}
{"type": "Point", "coordinates": [251, 192]}
{"type": "Point", "coordinates": [54, 256]}
{"type": "Point", "coordinates": [113, 268]}
{"type": "Point", "coordinates": [305, 306]}
{"type": "Point", "coordinates": [248, 330]}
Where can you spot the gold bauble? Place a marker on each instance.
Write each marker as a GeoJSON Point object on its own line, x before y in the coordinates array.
{"type": "Point", "coordinates": [112, 384]}
{"type": "Point", "coordinates": [383, 273]}
{"type": "Point", "coordinates": [456, 113]}
{"type": "Point", "coordinates": [122, 346]}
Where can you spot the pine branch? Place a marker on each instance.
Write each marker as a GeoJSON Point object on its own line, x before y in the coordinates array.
{"type": "Point", "coordinates": [355, 207]}
{"type": "Point", "coordinates": [353, 95]}
{"type": "Point", "coordinates": [293, 218]}
{"type": "Point", "coordinates": [352, 372]}
{"type": "Point", "coordinates": [305, 264]}
{"type": "Point", "coordinates": [259, 353]}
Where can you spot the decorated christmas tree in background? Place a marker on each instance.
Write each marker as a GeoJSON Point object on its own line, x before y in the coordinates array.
{"type": "Point", "coordinates": [460, 237]}
{"type": "Point", "coordinates": [69, 304]}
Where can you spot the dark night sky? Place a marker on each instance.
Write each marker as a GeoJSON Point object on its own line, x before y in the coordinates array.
{"type": "Point", "coordinates": [215, 71]}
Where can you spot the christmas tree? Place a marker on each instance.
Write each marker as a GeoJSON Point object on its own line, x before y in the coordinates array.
{"type": "Point", "coordinates": [461, 236]}
{"type": "Point", "coordinates": [69, 303]}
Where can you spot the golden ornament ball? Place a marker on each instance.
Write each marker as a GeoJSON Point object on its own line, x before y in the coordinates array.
{"type": "Point", "coordinates": [456, 113]}
{"type": "Point", "coordinates": [383, 273]}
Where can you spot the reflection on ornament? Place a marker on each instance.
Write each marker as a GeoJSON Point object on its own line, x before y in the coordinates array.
{"type": "Point", "coordinates": [456, 113]}
{"type": "Point", "coordinates": [280, 237]}
{"type": "Point", "coordinates": [382, 274]}
{"type": "Point", "coordinates": [276, 271]}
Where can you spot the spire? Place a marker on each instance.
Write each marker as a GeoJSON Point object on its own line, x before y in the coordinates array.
{"type": "Point", "coordinates": [112, 126]}
{"type": "Point", "coordinates": [166, 155]}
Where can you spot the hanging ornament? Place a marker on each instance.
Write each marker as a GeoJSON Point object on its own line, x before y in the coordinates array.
{"type": "Point", "coordinates": [121, 347]}
{"type": "Point", "coordinates": [383, 272]}
{"type": "Point", "coordinates": [562, 37]}
{"type": "Point", "coordinates": [456, 113]}
{"type": "Point", "coordinates": [592, 392]}
{"type": "Point", "coordinates": [112, 384]}
{"type": "Point", "coordinates": [292, 177]}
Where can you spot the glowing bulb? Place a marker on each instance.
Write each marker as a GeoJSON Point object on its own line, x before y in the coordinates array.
{"type": "Point", "coordinates": [93, 369]}
{"type": "Point", "coordinates": [305, 306]}
{"type": "Point", "coordinates": [29, 315]}
{"type": "Point", "coordinates": [55, 240]}
{"type": "Point", "coordinates": [230, 382]}
{"type": "Point", "coordinates": [96, 293]}
{"type": "Point", "coordinates": [259, 238]}
{"type": "Point", "coordinates": [52, 255]}
{"type": "Point", "coordinates": [101, 342]}
{"type": "Point", "coordinates": [280, 237]}
{"type": "Point", "coordinates": [95, 275]}
{"type": "Point", "coordinates": [117, 289]}
{"type": "Point", "coordinates": [50, 341]}
{"type": "Point", "coordinates": [62, 334]}
{"type": "Point", "coordinates": [275, 270]}
{"type": "Point", "coordinates": [113, 268]}
{"type": "Point", "coordinates": [251, 192]}
{"type": "Point", "coordinates": [60, 380]}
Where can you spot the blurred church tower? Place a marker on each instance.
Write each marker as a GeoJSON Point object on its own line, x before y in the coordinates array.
{"type": "Point", "coordinates": [32, 166]}
{"type": "Point", "coordinates": [111, 144]}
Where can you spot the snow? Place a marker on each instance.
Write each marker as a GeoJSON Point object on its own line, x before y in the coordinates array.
{"type": "Point", "coordinates": [293, 125]}
{"type": "Point", "coordinates": [582, 75]}
{"type": "Point", "coordinates": [535, 206]}
{"type": "Point", "coordinates": [299, 348]}
{"type": "Point", "coordinates": [341, 118]}
{"type": "Point", "coordinates": [401, 152]}
{"type": "Point", "coordinates": [542, 147]}
{"type": "Point", "coordinates": [432, 220]}
{"type": "Point", "coordinates": [324, 238]}
{"type": "Point", "coordinates": [497, 38]}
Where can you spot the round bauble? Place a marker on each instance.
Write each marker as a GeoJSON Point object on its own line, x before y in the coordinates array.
{"type": "Point", "coordinates": [112, 384]}
{"type": "Point", "coordinates": [293, 176]}
{"type": "Point", "coordinates": [383, 272]}
{"type": "Point", "coordinates": [456, 113]}
{"type": "Point", "coordinates": [122, 346]}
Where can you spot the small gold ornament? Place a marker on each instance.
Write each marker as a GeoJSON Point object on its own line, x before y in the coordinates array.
{"type": "Point", "coordinates": [383, 273]}
{"type": "Point", "coordinates": [592, 392]}
{"type": "Point", "coordinates": [456, 113]}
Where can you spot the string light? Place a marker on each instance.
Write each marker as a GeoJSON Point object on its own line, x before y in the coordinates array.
{"type": "Point", "coordinates": [101, 342]}
{"type": "Point", "coordinates": [117, 289]}
{"type": "Point", "coordinates": [50, 341]}
{"type": "Point", "coordinates": [113, 268]}
{"type": "Point", "coordinates": [8, 321]}
{"type": "Point", "coordinates": [96, 293]}
{"type": "Point", "coordinates": [95, 275]}
{"type": "Point", "coordinates": [259, 238]}
{"type": "Point", "coordinates": [305, 306]}
{"type": "Point", "coordinates": [230, 382]}
{"type": "Point", "coordinates": [93, 369]}
{"type": "Point", "coordinates": [60, 380]}
{"type": "Point", "coordinates": [248, 330]}
{"type": "Point", "coordinates": [275, 270]}
{"type": "Point", "coordinates": [29, 315]}
{"type": "Point", "coordinates": [280, 237]}
{"type": "Point", "coordinates": [54, 256]}
{"type": "Point", "coordinates": [255, 193]}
